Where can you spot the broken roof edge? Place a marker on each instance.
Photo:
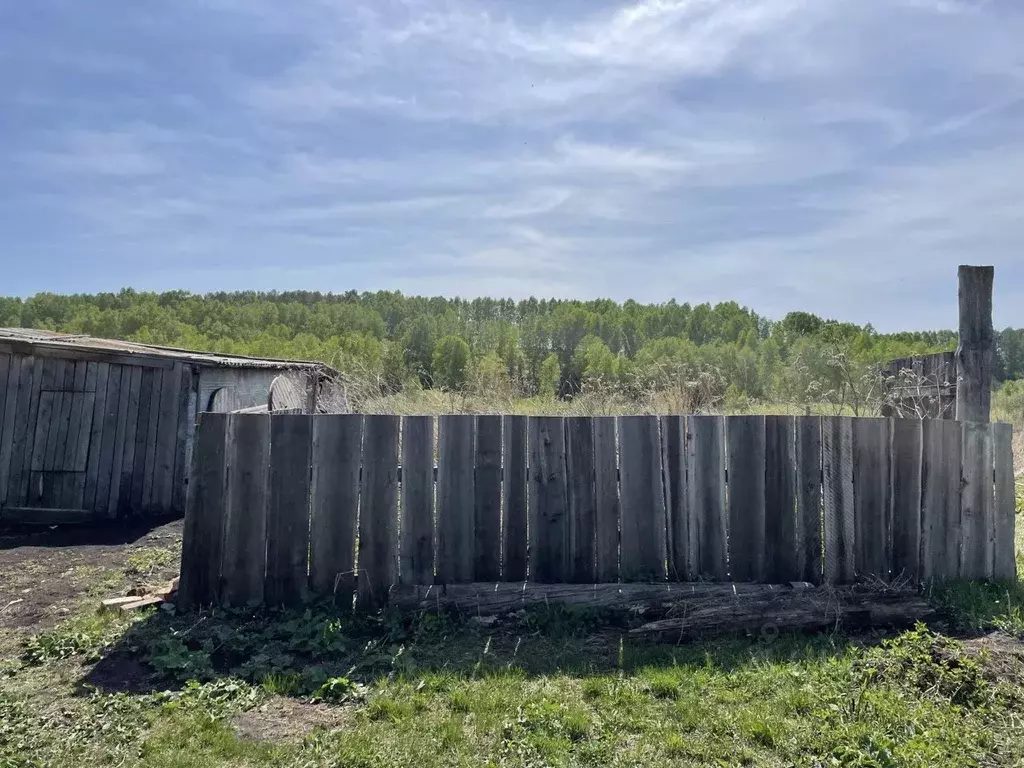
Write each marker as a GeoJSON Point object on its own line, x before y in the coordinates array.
{"type": "Point", "coordinates": [84, 343]}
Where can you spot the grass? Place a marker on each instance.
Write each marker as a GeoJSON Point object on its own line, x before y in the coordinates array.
{"type": "Point", "coordinates": [551, 687]}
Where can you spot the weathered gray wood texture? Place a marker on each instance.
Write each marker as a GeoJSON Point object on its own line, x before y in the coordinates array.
{"type": "Point", "coordinates": [244, 549]}
{"type": "Point", "coordinates": [455, 499]}
{"type": "Point", "coordinates": [487, 500]}
{"type": "Point", "coordinates": [745, 436]}
{"type": "Point", "coordinates": [513, 502]}
{"type": "Point", "coordinates": [378, 512]}
{"type": "Point", "coordinates": [291, 439]}
{"type": "Point", "coordinates": [975, 350]}
{"type": "Point", "coordinates": [1004, 566]}
{"type": "Point", "coordinates": [334, 506]}
{"type": "Point", "coordinates": [550, 559]}
{"type": "Point", "coordinates": [417, 546]}
{"type": "Point", "coordinates": [649, 499]}
{"type": "Point", "coordinates": [643, 554]}
{"type": "Point", "coordinates": [705, 453]}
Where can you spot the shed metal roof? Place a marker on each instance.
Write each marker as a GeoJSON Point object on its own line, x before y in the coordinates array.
{"type": "Point", "coordinates": [71, 342]}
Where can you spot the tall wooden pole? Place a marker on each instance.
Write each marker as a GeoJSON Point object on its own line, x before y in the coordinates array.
{"type": "Point", "coordinates": [975, 352]}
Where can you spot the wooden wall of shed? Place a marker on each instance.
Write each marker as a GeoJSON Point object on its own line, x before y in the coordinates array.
{"type": "Point", "coordinates": [93, 436]}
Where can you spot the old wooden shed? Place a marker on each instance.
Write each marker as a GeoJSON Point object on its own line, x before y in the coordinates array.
{"type": "Point", "coordinates": [98, 428]}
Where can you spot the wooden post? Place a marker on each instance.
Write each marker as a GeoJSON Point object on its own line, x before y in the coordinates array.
{"type": "Point", "coordinates": [976, 349]}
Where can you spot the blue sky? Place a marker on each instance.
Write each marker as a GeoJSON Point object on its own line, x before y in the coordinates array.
{"type": "Point", "coordinates": [836, 156]}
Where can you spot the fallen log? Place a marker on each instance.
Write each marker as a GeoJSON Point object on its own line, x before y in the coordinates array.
{"type": "Point", "coordinates": [848, 607]}
{"type": "Point", "coordinates": [683, 610]}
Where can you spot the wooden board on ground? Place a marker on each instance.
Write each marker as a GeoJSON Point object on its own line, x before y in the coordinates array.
{"type": "Point", "coordinates": [677, 533]}
{"type": "Point", "coordinates": [514, 504]}
{"type": "Point", "coordinates": [1004, 563]}
{"type": "Point", "coordinates": [455, 492]}
{"type": "Point", "coordinates": [487, 500]}
{"type": "Point", "coordinates": [872, 496]}
{"type": "Point", "coordinates": [746, 451]}
{"type": "Point", "coordinates": [808, 499]}
{"type": "Point", "coordinates": [642, 555]}
{"type": "Point", "coordinates": [837, 498]}
{"type": "Point", "coordinates": [706, 476]}
{"type": "Point", "coordinates": [417, 546]}
{"type": "Point", "coordinates": [906, 498]}
{"type": "Point", "coordinates": [335, 459]}
{"type": "Point", "coordinates": [781, 561]}
{"type": "Point", "coordinates": [606, 489]}
{"type": "Point", "coordinates": [977, 523]}
{"type": "Point", "coordinates": [378, 514]}
{"type": "Point", "coordinates": [940, 499]}
{"type": "Point", "coordinates": [245, 531]}
{"type": "Point", "coordinates": [202, 535]}
{"type": "Point", "coordinates": [550, 560]}
{"type": "Point", "coordinates": [288, 510]}
{"type": "Point", "coordinates": [579, 445]}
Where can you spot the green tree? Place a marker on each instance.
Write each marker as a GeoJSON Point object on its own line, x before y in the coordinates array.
{"type": "Point", "coordinates": [550, 376]}
{"type": "Point", "coordinates": [451, 363]}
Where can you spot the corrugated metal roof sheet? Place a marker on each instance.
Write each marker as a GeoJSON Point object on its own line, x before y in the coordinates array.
{"type": "Point", "coordinates": [55, 339]}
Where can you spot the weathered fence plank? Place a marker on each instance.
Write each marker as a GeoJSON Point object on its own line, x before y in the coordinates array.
{"type": "Point", "coordinates": [487, 500]}
{"type": "Point", "coordinates": [906, 498]}
{"type": "Point", "coordinates": [1004, 563]}
{"type": "Point", "coordinates": [548, 520]}
{"type": "Point", "coordinates": [166, 438]}
{"type": "Point", "coordinates": [334, 506]}
{"type": "Point", "coordinates": [606, 508]}
{"type": "Point", "coordinates": [872, 496]}
{"type": "Point", "coordinates": [152, 441]}
{"type": "Point", "coordinates": [976, 519]}
{"type": "Point", "coordinates": [677, 534]}
{"type": "Point", "coordinates": [781, 560]}
{"type": "Point", "coordinates": [643, 500]}
{"type": "Point", "coordinates": [145, 440]}
{"type": "Point", "coordinates": [940, 499]}
{"type": "Point", "coordinates": [202, 537]}
{"type": "Point", "coordinates": [245, 531]}
{"type": "Point", "coordinates": [745, 437]}
{"type": "Point", "coordinates": [975, 350]}
{"type": "Point", "coordinates": [706, 477]}
{"type": "Point", "coordinates": [455, 493]}
{"type": "Point", "coordinates": [98, 498]}
{"type": "Point", "coordinates": [837, 495]}
{"type": "Point", "coordinates": [42, 430]}
{"type": "Point", "coordinates": [582, 511]}
{"type": "Point", "coordinates": [417, 547]}
{"type": "Point", "coordinates": [514, 502]}
{"type": "Point", "coordinates": [378, 511]}
{"type": "Point", "coordinates": [122, 499]}
{"type": "Point", "coordinates": [186, 429]}
{"type": "Point", "coordinates": [12, 367]}
{"type": "Point", "coordinates": [21, 448]}
{"type": "Point", "coordinates": [808, 499]}
{"type": "Point", "coordinates": [291, 442]}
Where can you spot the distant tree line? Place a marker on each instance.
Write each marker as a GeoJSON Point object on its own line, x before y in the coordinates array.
{"type": "Point", "coordinates": [528, 348]}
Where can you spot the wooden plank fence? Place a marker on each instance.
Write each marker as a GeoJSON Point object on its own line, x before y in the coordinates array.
{"type": "Point", "coordinates": [286, 508]}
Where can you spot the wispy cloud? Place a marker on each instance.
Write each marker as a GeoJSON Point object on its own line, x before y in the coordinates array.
{"type": "Point", "coordinates": [831, 155]}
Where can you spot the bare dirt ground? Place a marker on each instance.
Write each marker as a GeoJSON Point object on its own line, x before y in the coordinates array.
{"type": "Point", "coordinates": [48, 573]}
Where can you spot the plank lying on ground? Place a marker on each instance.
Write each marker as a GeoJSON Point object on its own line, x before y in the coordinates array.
{"type": "Point", "coordinates": [490, 599]}
{"type": "Point", "coordinates": [768, 612]}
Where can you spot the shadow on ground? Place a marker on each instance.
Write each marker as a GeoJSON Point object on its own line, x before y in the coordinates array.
{"type": "Point", "coordinates": [296, 652]}
{"type": "Point", "coordinates": [107, 533]}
